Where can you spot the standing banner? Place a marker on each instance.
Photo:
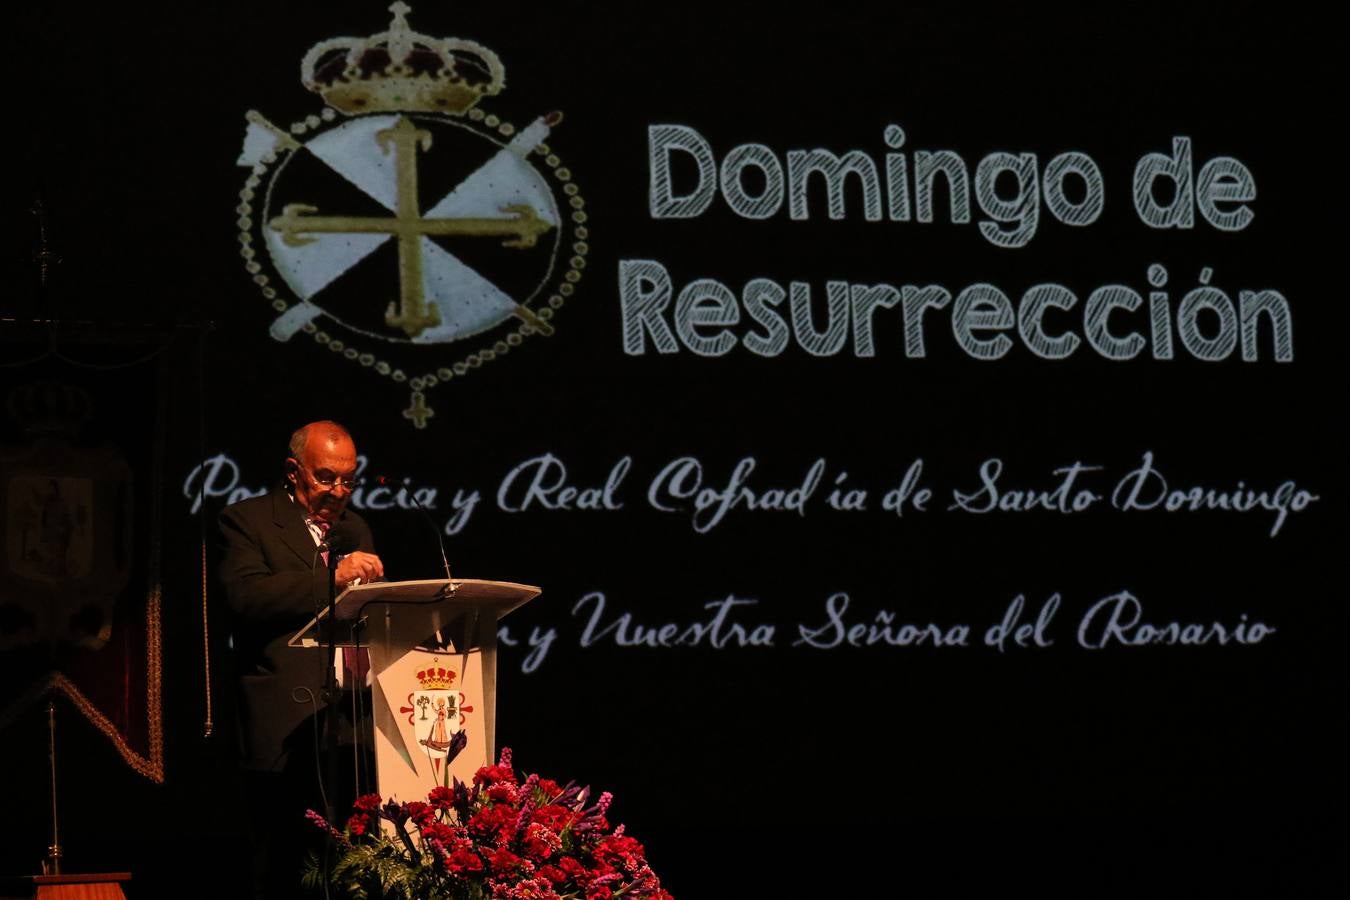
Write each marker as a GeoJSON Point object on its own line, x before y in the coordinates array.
{"type": "Point", "coordinates": [81, 491]}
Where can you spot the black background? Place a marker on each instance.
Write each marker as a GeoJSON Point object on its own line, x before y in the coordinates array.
{"type": "Point", "coordinates": [1171, 771]}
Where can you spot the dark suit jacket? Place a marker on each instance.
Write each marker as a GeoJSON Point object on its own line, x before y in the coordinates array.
{"type": "Point", "coordinates": [275, 582]}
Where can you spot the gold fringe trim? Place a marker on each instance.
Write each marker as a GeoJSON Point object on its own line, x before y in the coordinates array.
{"type": "Point", "coordinates": [151, 766]}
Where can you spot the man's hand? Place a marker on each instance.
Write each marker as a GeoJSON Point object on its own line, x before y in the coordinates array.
{"type": "Point", "coordinates": [359, 564]}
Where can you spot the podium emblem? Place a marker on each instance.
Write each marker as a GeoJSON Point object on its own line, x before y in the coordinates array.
{"type": "Point", "coordinates": [436, 711]}
{"type": "Point", "coordinates": [403, 218]}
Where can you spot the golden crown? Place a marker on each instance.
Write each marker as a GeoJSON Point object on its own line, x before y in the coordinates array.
{"type": "Point", "coordinates": [400, 70]}
{"type": "Point", "coordinates": [435, 679]}
{"type": "Point", "coordinates": [50, 408]}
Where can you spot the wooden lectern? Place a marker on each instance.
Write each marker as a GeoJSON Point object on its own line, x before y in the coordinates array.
{"type": "Point", "coordinates": [433, 662]}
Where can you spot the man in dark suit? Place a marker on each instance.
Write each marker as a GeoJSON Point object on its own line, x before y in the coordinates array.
{"type": "Point", "coordinates": [276, 579]}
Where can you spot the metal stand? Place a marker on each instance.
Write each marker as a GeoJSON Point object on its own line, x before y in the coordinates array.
{"type": "Point", "coordinates": [52, 864]}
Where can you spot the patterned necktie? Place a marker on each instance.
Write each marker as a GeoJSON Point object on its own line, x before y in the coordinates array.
{"type": "Point", "coordinates": [323, 527]}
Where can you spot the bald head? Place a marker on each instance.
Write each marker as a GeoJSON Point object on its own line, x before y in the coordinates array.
{"type": "Point", "coordinates": [321, 467]}
{"type": "Point", "coordinates": [325, 430]}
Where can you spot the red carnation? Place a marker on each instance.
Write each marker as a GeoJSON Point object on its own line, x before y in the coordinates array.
{"type": "Point", "coordinates": [368, 802]}
{"type": "Point", "coordinates": [439, 831]}
{"type": "Point", "coordinates": [462, 862]}
{"type": "Point", "coordinates": [603, 870]}
{"type": "Point", "coordinates": [420, 813]}
{"type": "Point", "coordinates": [553, 817]}
{"type": "Point", "coordinates": [540, 843]}
{"type": "Point", "coordinates": [619, 849]}
{"type": "Point", "coordinates": [358, 824]}
{"type": "Point", "coordinates": [573, 869]}
{"type": "Point", "coordinates": [494, 822]}
{"type": "Point", "coordinates": [441, 797]}
{"type": "Point", "coordinates": [553, 874]}
{"type": "Point", "coordinates": [503, 792]}
{"type": "Point", "coordinates": [494, 774]}
{"type": "Point", "coordinates": [504, 862]}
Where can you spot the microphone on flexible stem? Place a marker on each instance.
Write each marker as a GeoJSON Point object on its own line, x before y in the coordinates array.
{"type": "Point", "coordinates": [384, 480]}
{"type": "Point", "coordinates": [449, 591]}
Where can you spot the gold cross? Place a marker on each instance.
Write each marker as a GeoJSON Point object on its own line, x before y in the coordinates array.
{"type": "Point", "coordinates": [412, 313]}
{"type": "Point", "coordinates": [419, 412]}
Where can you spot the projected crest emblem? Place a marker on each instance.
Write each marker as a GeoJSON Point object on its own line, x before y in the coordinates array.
{"type": "Point", "coordinates": [404, 228]}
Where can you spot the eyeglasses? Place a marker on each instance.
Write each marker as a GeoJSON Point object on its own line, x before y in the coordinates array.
{"type": "Point", "coordinates": [333, 483]}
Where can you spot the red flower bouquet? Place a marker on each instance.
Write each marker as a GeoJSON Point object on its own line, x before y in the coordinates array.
{"type": "Point", "coordinates": [499, 838]}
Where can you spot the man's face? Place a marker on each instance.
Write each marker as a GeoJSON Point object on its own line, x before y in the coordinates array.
{"type": "Point", "coordinates": [328, 456]}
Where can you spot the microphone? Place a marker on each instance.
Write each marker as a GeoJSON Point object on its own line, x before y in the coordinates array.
{"type": "Point", "coordinates": [384, 480]}
{"type": "Point", "coordinates": [341, 538]}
